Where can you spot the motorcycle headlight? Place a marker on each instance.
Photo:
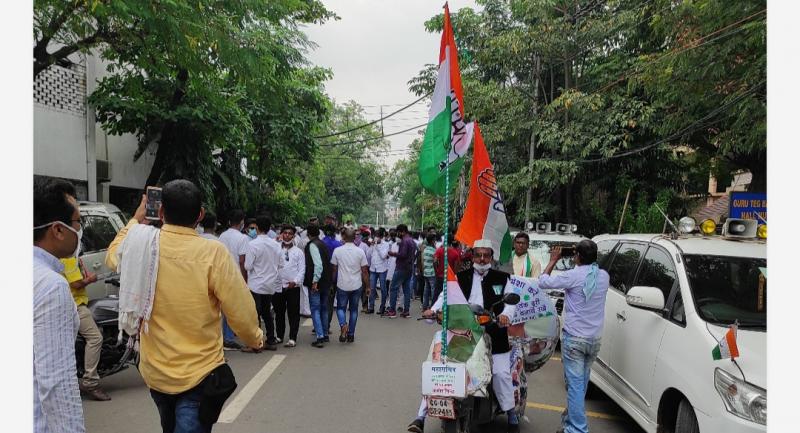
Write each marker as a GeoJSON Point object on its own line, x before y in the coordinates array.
{"type": "Point", "coordinates": [742, 399]}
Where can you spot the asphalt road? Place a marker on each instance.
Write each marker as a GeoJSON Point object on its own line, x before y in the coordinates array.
{"type": "Point", "coordinates": [371, 385]}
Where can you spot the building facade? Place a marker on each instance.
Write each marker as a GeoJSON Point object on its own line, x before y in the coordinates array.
{"type": "Point", "coordinates": [68, 143]}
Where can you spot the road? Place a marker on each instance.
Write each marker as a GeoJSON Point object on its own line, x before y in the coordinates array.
{"type": "Point", "coordinates": [371, 385]}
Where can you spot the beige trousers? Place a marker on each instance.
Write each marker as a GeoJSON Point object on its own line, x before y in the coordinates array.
{"type": "Point", "coordinates": [94, 341]}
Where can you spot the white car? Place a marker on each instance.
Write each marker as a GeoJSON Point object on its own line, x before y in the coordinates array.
{"type": "Point", "coordinates": [101, 222]}
{"type": "Point", "coordinates": [671, 300]}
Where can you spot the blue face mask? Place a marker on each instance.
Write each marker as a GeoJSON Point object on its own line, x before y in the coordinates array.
{"type": "Point", "coordinates": [252, 233]}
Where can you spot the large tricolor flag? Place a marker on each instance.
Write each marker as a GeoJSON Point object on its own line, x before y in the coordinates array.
{"type": "Point", "coordinates": [727, 347]}
{"type": "Point", "coordinates": [447, 137]}
{"type": "Point", "coordinates": [463, 331]}
{"type": "Point", "coordinates": [485, 215]}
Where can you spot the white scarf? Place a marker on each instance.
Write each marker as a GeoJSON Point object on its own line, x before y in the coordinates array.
{"type": "Point", "coordinates": [138, 267]}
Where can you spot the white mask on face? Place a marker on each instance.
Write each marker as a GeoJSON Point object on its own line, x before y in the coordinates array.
{"type": "Point", "coordinates": [200, 230]}
{"type": "Point", "coordinates": [482, 269]}
{"type": "Point", "coordinates": [78, 233]}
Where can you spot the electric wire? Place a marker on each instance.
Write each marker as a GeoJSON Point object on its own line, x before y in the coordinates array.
{"type": "Point", "coordinates": [374, 121]}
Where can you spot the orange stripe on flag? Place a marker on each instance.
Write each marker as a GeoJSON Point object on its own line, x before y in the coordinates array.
{"type": "Point", "coordinates": [472, 223]}
{"type": "Point", "coordinates": [449, 39]}
{"type": "Point", "coordinates": [730, 338]}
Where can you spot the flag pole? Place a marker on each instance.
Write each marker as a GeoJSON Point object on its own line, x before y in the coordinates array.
{"type": "Point", "coordinates": [446, 215]}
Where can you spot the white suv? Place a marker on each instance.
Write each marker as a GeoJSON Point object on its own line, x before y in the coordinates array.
{"type": "Point", "coordinates": [671, 300]}
{"type": "Point", "coordinates": [101, 222]}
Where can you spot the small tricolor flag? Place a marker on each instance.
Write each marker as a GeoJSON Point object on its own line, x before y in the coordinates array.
{"type": "Point", "coordinates": [727, 347]}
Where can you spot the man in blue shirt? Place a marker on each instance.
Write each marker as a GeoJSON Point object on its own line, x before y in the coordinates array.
{"type": "Point", "coordinates": [331, 243]}
{"type": "Point", "coordinates": [585, 288]}
{"type": "Point", "coordinates": [405, 255]}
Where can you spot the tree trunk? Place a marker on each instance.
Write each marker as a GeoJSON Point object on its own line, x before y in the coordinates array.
{"type": "Point", "coordinates": [532, 147]}
{"type": "Point", "coordinates": [168, 132]}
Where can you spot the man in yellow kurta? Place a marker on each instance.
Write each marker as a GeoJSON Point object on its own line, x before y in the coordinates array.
{"type": "Point", "coordinates": [196, 281]}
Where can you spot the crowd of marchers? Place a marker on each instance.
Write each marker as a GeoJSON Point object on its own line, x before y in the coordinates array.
{"type": "Point", "coordinates": [191, 288]}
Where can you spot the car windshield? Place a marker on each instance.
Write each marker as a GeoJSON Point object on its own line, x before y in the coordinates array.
{"type": "Point", "coordinates": [540, 250]}
{"type": "Point", "coordinates": [729, 289]}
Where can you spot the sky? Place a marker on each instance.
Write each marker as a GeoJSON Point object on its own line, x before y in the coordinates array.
{"type": "Point", "coordinates": [374, 50]}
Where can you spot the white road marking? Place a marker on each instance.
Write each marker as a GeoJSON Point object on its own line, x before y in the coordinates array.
{"type": "Point", "coordinates": [235, 407]}
{"type": "Point", "coordinates": [308, 322]}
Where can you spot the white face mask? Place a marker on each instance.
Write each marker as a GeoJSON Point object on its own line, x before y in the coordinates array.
{"type": "Point", "coordinates": [200, 230]}
{"type": "Point", "coordinates": [482, 269]}
{"type": "Point", "coordinates": [78, 233]}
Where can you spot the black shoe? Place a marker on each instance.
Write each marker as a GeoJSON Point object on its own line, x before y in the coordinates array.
{"type": "Point", "coordinates": [318, 343]}
{"type": "Point", "coordinates": [513, 428]}
{"type": "Point", "coordinates": [270, 347]}
{"type": "Point", "coordinates": [230, 344]}
{"type": "Point", "coordinates": [351, 338]}
{"type": "Point", "coordinates": [326, 339]}
{"type": "Point", "coordinates": [370, 311]}
{"type": "Point", "coordinates": [416, 426]}
{"type": "Point", "coordinates": [382, 311]}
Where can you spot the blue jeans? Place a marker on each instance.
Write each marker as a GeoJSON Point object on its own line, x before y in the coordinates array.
{"type": "Point", "coordinates": [227, 332]}
{"type": "Point", "coordinates": [374, 277]}
{"type": "Point", "coordinates": [401, 278]}
{"type": "Point", "coordinates": [577, 356]}
{"type": "Point", "coordinates": [343, 299]}
{"type": "Point", "coordinates": [427, 293]}
{"type": "Point", "coordinates": [318, 302]}
{"type": "Point", "coordinates": [180, 413]}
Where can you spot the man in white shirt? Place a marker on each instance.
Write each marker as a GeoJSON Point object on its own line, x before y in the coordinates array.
{"type": "Point", "coordinates": [522, 263]}
{"type": "Point", "coordinates": [485, 286]}
{"type": "Point", "coordinates": [208, 227]}
{"type": "Point", "coordinates": [262, 262]}
{"type": "Point", "coordinates": [57, 234]}
{"type": "Point", "coordinates": [292, 273]}
{"type": "Point", "coordinates": [378, 266]}
{"type": "Point", "coordinates": [391, 265]}
{"type": "Point", "coordinates": [236, 243]}
{"type": "Point", "coordinates": [352, 275]}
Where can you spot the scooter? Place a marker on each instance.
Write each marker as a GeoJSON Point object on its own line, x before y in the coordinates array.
{"type": "Point", "coordinates": [115, 354]}
{"type": "Point", "coordinates": [464, 415]}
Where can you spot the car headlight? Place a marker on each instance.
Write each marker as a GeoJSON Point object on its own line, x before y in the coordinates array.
{"type": "Point", "coordinates": [742, 399]}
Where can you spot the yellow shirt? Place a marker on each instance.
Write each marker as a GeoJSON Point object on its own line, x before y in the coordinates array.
{"type": "Point", "coordinates": [520, 265]}
{"type": "Point", "coordinates": [73, 273]}
{"type": "Point", "coordinates": [196, 279]}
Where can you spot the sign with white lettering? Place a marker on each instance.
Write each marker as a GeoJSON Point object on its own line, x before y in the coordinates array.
{"type": "Point", "coordinates": [533, 303]}
{"type": "Point", "coordinates": [444, 380]}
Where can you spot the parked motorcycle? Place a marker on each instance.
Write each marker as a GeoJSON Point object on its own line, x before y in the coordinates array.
{"type": "Point", "coordinates": [464, 415]}
{"type": "Point", "coordinates": [115, 354]}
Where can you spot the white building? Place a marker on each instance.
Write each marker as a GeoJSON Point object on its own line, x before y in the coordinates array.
{"type": "Point", "coordinates": [69, 144]}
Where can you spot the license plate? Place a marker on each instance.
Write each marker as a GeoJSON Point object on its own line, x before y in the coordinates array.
{"type": "Point", "coordinates": [441, 407]}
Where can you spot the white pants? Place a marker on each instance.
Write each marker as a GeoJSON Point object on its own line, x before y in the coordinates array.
{"type": "Point", "coordinates": [501, 383]}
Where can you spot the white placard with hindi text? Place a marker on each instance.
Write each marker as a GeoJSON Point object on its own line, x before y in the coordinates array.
{"type": "Point", "coordinates": [444, 380]}
{"type": "Point", "coordinates": [533, 304]}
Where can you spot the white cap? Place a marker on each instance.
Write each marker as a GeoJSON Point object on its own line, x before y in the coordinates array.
{"type": "Point", "coordinates": [482, 243]}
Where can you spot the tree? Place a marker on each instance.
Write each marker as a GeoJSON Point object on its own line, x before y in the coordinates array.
{"type": "Point", "coordinates": [191, 79]}
{"type": "Point", "coordinates": [590, 83]}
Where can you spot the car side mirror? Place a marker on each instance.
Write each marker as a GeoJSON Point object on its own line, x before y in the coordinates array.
{"type": "Point", "coordinates": [645, 297]}
{"type": "Point", "coordinates": [511, 299]}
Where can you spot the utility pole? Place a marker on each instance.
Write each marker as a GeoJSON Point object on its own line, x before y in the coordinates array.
{"type": "Point", "coordinates": [532, 147]}
{"type": "Point", "coordinates": [381, 121]}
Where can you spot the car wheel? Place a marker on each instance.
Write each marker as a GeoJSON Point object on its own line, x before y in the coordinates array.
{"type": "Point", "coordinates": [686, 421]}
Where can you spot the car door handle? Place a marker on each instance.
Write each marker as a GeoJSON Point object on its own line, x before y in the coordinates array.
{"type": "Point", "coordinates": [96, 265]}
{"type": "Point", "coordinates": [621, 316]}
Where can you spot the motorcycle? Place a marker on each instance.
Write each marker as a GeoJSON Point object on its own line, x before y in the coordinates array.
{"type": "Point", "coordinates": [463, 415]}
{"type": "Point", "coordinates": [116, 354]}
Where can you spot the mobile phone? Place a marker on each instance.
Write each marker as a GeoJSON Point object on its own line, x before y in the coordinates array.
{"type": "Point", "coordinates": [567, 251]}
{"type": "Point", "coordinates": [153, 203]}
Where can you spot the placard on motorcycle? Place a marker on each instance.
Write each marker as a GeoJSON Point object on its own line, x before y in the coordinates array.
{"type": "Point", "coordinates": [533, 303]}
{"type": "Point", "coordinates": [441, 383]}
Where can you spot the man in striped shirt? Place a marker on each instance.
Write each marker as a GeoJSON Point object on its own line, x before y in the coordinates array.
{"type": "Point", "coordinates": [57, 234]}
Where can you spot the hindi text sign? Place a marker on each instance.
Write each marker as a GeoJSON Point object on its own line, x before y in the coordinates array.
{"type": "Point", "coordinates": [444, 380]}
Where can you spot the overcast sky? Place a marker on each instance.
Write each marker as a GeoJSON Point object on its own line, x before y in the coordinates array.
{"type": "Point", "coordinates": [374, 50]}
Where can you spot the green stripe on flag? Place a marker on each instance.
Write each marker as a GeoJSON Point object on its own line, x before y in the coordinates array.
{"type": "Point", "coordinates": [435, 149]}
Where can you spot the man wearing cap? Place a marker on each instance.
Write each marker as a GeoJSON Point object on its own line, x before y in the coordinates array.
{"type": "Point", "coordinates": [485, 286]}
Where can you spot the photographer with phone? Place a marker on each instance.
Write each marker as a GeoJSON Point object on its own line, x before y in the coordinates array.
{"type": "Point", "coordinates": [585, 288]}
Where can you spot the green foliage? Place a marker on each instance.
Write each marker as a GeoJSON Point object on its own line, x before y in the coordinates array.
{"type": "Point", "coordinates": [621, 100]}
